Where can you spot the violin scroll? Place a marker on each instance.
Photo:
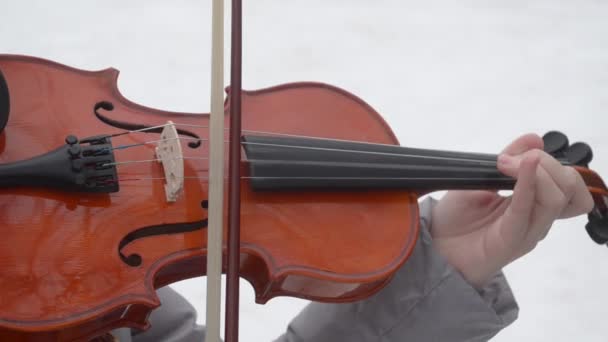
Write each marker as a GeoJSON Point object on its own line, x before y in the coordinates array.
{"type": "Point", "coordinates": [580, 155]}
{"type": "Point", "coordinates": [597, 227]}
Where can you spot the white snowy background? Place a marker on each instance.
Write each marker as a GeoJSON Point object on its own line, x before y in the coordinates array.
{"type": "Point", "coordinates": [460, 75]}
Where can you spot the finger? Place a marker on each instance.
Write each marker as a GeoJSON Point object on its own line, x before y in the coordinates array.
{"type": "Point", "coordinates": [577, 198]}
{"type": "Point", "coordinates": [544, 208]}
{"type": "Point", "coordinates": [550, 202]}
{"type": "Point", "coordinates": [554, 190]}
{"type": "Point", "coordinates": [582, 201]}
{"type": "Point", "coordinates": [524, 143]}
{"type": "Point", "coordinates": [542, 218]}
{"type": "Point", "coordinates": [515, 222]}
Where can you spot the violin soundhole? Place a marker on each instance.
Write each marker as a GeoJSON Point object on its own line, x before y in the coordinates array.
{"type": "Point", "coordinates": [135, 260]}
{"type": "Point", "coordinates": [109, 106]}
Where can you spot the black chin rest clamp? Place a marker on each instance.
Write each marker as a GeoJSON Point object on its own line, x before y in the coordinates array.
{"type": "Point", "coordinates": [5, 104]}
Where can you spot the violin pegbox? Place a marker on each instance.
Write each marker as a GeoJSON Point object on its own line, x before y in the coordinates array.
{"type": "Point", "coordinates": [597, 227]}
{"type": "Point", "coordinates": [169, 154]}
{"type": "Point", "coordinates": [579, 155]}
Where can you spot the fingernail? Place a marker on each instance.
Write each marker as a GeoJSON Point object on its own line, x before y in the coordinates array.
{"type": "Point", "coordinates": [505, 160]}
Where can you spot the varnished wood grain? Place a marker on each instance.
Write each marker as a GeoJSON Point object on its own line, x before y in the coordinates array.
{"type": "Point", "coordinates": [60, 272]}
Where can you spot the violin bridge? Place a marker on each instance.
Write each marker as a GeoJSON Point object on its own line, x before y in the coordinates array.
{"type": "Point", "coordinates": [169, 154]}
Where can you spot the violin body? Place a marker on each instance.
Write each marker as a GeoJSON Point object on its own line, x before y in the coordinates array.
{"type": "Point", "coordinates": [74, 265]}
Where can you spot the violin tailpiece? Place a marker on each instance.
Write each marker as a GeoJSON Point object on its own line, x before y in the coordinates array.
{"type": "Point", "coordinates": [87, 165]}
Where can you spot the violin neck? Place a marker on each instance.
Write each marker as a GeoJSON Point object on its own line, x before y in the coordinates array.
{"type": "Point", "coordinates": [289, 163]}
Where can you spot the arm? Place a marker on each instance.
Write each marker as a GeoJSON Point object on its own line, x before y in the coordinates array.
{"type": "Point", "coordinates": [427, 300]}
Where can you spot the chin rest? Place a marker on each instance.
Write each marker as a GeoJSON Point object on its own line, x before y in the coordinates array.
{"type": "Point", "coordinates": [5, 106]}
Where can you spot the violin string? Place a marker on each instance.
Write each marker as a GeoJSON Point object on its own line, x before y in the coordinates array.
{"type": "Point", "coordinates": [122, 147]}
{"type": "Point", "coordinates": [206, 158]}
{"type": "Point", "coordinates": [149, 161]}
{"type": "Point", "coordinates": [483, 156]}
{"type": "Point", "coordinates": [145, 129]}
{"type": "Point", "coordinates": [481, 162]}
{"type": "Point", "coordinates": [382, 178]}
{"type": "Point", "coordinates": [157, 178]}
{"type": "Point", "coordinates": [484, 162]}
{"type": "Point", "coordinates": [330, 178]}
{"type": "Point", "coordinates": [177, 124]}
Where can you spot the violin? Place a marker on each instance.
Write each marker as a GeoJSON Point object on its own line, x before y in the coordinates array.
{"type": "Point", "coordinates": [105, 200]}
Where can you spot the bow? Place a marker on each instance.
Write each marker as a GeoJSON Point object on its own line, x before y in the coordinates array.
{"type": "Point", "coordinates": [216, 178]}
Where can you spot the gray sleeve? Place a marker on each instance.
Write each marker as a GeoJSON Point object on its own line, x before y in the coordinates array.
{"type": "Point", "coordinates": [173, 321]}
{"type": "Point", "coordinates": [427, 300]}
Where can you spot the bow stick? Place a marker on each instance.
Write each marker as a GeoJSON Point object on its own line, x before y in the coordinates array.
{"type": "Point", "coordinates": [234, 178]}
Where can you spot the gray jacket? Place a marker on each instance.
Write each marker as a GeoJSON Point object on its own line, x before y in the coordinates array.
{"type": "Point", "coordinates": [427, 300]}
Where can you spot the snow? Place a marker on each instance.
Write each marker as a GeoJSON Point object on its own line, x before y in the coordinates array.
{"type": "Point", "coordinates": [463, 75]}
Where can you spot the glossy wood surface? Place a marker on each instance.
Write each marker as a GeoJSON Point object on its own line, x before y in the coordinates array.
{"type": "Point", "coordinates": [61, 276]}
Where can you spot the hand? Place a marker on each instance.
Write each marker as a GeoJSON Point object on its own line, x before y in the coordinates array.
{"type": "Point", "coordinates": [480, 232]}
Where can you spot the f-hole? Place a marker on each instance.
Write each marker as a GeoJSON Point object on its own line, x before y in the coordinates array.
{"type": "Point", "coordinates": [135, 260]}
{"type": "Point", "coordinates": [108, 106]}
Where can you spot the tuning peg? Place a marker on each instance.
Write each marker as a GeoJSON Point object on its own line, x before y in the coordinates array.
{"type": "Point", "coordinates": [597, 227]}
{"type": "Point", "coordinates": [579, 154]}
{"type": "Point", "coordinates": [555, 143]}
